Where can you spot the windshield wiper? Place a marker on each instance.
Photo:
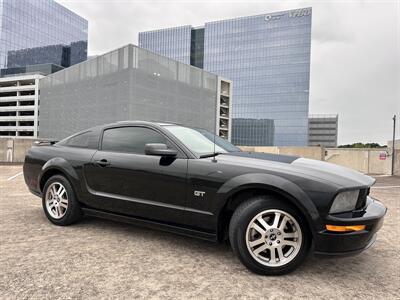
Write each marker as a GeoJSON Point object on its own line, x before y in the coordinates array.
{"type": "Point", "coordinates": [210, 154]}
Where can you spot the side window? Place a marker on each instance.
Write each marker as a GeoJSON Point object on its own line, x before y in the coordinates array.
{"type": "Point", "coordinates": [130, 139]}
{"type": "Point", "coordinates": [81, 140]}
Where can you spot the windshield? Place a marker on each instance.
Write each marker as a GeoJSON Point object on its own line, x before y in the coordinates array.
{"type": "Point", "coordinates": [196, 141]}
{"type": "Point", "coordinates": [223, 143]}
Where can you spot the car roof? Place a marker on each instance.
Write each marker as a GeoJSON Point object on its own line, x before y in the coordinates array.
{"type": "Point", "coordinates": [146, 122]}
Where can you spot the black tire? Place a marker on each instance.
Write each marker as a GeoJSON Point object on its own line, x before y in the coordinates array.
{"type": "Point", "coordinates": [241, 219]}
{"type": "Point", "coordinates": [73, 212]}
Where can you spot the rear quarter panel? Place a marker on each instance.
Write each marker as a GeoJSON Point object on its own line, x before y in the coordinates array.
{"type": "Point", "coordinates": [35, 159]}
{"type": "Point", "coordinates": [69, 161]}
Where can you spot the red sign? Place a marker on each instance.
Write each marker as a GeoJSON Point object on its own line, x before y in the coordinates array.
{"type": "Point", "coordinates": [382, 155]}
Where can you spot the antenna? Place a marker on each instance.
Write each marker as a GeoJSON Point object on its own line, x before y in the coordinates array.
{"type": "Point", "coordinates": [215, 154]}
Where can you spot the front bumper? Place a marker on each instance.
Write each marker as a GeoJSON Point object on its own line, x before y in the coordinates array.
{"type": "Point", "coordinates": [36, 193]}
{"type": "Point", "coordinates": [348, 243]}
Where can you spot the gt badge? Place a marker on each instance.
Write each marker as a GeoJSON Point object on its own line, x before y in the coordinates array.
{"type": "Point", "coordinates": [199, 193]}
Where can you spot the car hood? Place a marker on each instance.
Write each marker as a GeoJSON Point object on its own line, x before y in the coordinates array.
{"type": "Point", "coordinates": [341, 177]}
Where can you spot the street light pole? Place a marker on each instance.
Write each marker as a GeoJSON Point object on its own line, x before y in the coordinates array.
{"type": "Point", "coordinates": [393, 143]}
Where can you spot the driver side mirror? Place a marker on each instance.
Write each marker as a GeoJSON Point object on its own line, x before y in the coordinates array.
{"type": "Point", "coordinates": [159, 150]}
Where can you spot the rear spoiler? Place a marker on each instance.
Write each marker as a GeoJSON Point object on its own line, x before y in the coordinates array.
{"type": "Point", "coordinates": [45, 142]}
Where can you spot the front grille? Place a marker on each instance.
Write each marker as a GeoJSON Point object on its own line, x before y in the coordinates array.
{"type": "Point", "coordinates": [362, 198]}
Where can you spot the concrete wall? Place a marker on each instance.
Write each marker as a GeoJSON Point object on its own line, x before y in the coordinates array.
{"type": "Point", "coordinates": [14, 150]}
{"type": "Point", "coordinates": [367, 161]}
{"type": "Point", "coordinates": [308, 152]}
{"type": "Point", "coordinates": [364, 160]}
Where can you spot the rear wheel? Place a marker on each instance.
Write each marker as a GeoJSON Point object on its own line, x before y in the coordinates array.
{"type": "Point", "coordinates": [59, 201]}
{"type": "Point", "coordinates": [269, 236]}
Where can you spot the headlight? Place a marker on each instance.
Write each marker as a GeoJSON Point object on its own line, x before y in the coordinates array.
{"type": "Point", "coordinates": [345, 201]}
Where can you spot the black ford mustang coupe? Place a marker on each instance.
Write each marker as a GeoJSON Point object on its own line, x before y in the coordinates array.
{"type": "Point", "coordinates": [272, 208]}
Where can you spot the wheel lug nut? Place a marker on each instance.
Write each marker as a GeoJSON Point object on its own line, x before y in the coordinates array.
{"type": "Point", "coordinates": [278, 233]}
{"type": "Point", "coordinates": [271, 230]}
{"type": "Point", "coordinates": [278, 241]}
{"type": "Point", "coordinates": [270, 243]}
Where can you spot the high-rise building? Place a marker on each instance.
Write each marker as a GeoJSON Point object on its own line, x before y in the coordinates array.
{"type": "Point", "coordinates": [37, 38]}
{"type": "Point", "coordinates": [19, 105]}
{"type": "Point", "coordinates": [253, 132]}
{"type": "Point", "coordinates": [323, 130]}
{"type": "Point", "coordinates": [266, 56]}
{"type": "Point", "coordinates": [19, 99]}
{"type": "Point", "coordinates": [131, 83]}
{"type": "Point", "coordinates": [40, 32]}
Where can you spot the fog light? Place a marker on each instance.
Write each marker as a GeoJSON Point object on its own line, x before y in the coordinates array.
{"type": "Point", "coordinates": [345, 228]}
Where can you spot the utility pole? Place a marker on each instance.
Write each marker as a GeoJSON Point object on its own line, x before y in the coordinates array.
{"type": "Point", "coordinates": [393, 143]}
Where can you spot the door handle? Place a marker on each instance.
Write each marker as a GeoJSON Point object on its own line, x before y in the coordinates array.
{"type": "Point", "coordinates": [102, 163]}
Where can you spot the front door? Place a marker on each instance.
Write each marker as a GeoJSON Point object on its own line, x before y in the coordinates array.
{"type": "Point", "coordinates": [125, 180]}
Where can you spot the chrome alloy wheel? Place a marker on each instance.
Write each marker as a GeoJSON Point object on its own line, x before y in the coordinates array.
{"type": "Point", "coordinates": [273, 238]}
{"type": "Point", "coordinates": [56, 200]}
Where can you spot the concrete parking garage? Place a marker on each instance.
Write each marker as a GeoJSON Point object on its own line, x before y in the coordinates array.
{"type": "Point", "coordinates": [102, 259]}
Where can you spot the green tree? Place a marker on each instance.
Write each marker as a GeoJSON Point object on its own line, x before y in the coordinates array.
{"type": "Point", "coordinates": [362, 145]}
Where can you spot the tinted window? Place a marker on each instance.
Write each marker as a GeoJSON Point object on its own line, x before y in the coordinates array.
{"type": "Point", "coordinates": [130, 139]}
{"type": "Point", "coordinates": [81, 140]}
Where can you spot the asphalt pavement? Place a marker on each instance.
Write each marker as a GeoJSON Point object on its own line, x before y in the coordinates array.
{"type": "Point", "coordinates": [108, 260]}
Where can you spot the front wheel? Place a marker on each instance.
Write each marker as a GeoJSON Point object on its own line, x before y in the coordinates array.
{"type": "Point", "coordinates": [269, 236]}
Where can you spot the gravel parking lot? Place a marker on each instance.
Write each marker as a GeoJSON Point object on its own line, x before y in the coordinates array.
{"type": "Point", "coordinates": [103, 259]}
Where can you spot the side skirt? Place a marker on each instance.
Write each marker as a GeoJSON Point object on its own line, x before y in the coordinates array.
{"type": "Point", "coordinates": [151, 224]}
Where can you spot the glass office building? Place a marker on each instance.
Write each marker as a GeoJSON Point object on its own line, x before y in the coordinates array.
{"type": "Point", "coordinates": [39, 32]}
{"type": "Point", "coordinates": [253, 132]}
{"type": "Point", "coordinates": [172, 42]}
{"type": "Point", "coordinates": [266, 56]}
